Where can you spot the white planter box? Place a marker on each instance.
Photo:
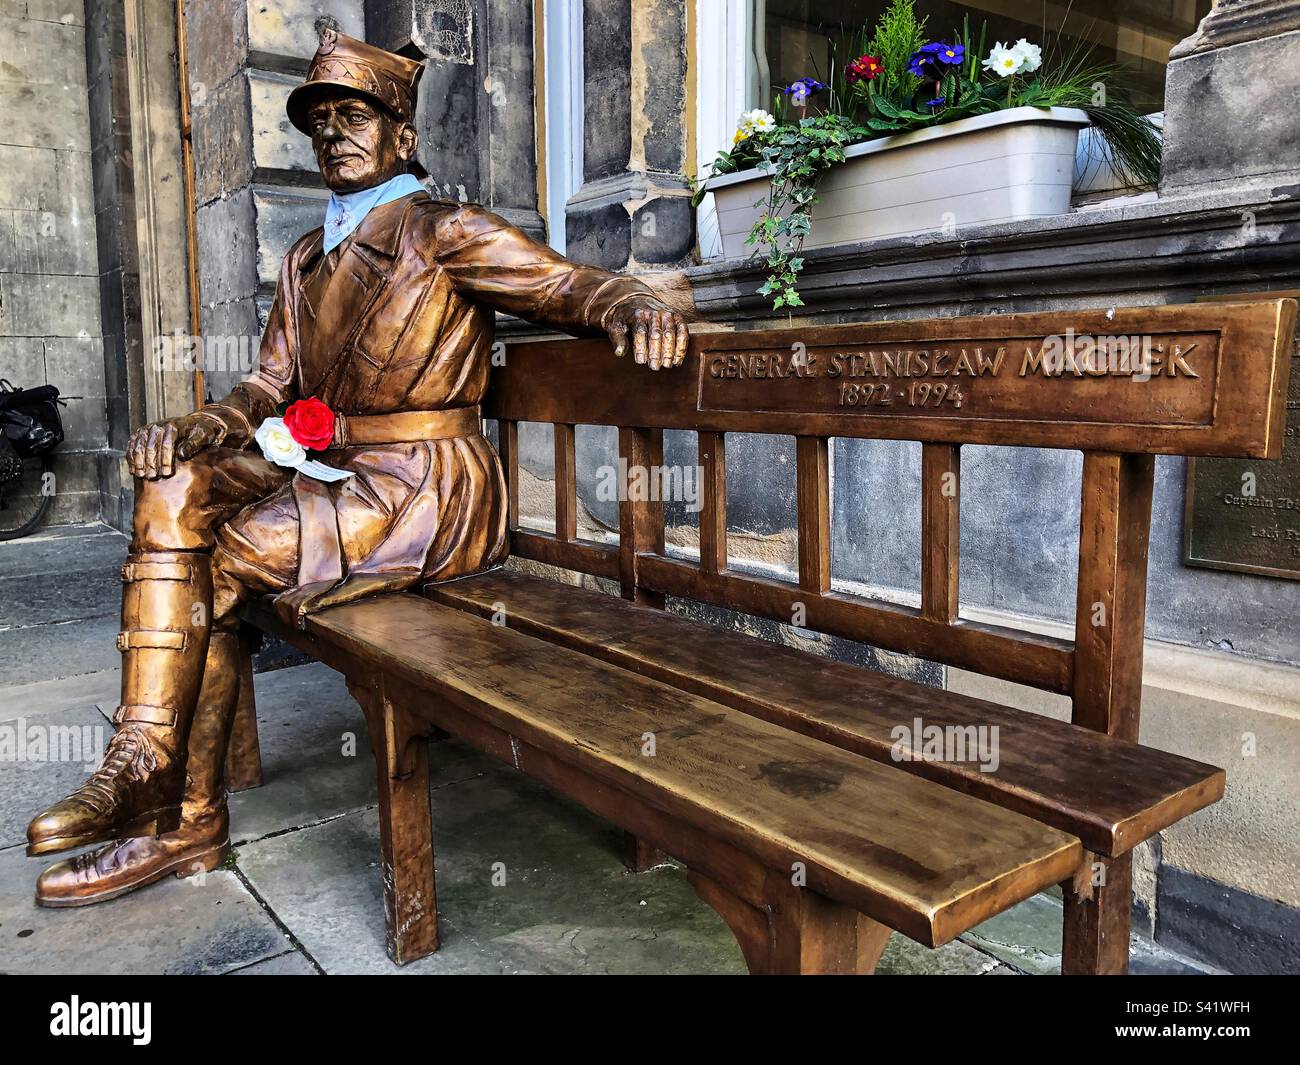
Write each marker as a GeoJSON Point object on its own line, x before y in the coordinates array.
{"type": "Point", "coordinates": [998, 167]}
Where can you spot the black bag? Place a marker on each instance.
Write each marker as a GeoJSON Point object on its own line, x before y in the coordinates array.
{"type": "Point", "coordinates": [11, 466]}
{"type": "Point", "coordinates": [29, 419]}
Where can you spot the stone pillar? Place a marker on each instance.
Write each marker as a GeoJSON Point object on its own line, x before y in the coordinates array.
{"type": "Point", "coordinates": [140, 218]}
{"type": "Point", "coordinates": [633, 208]}
{"type": "Point", "coordinates": [1230, 98]}
{"type": "Point", "coordinates": [119, 268]}
{"type": "Point", "coordinates": [1237, 22]}
{"type": "Point", "coordinates": [257, 189]}
{"type": "Point", "coordinates": [478, 138]}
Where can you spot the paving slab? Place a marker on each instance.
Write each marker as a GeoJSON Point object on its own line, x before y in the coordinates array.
{"type": "Point", "coordinates": [566, 904]}
{"type": "Point", "coordinates": [292, 963]}
{"type": "Point", "coordinates": [1148, 958]}
{"type": "Point", "coordinates": [61, 595]}
{"type": "Point", "coordinates": [1028, 938]}
{"type": "Point", "coordinates": [68, 548]}
{"type": "Point", "coordinates": [906, 957]}
{"type": "Point", "coordinates": [44, 758]}
{"type": "Point", "coordinates": [47, 652]}
{"type": "Point", "coordinates": [205, 925]}
{"type": "Point", "coordinates": [316, 757]}
{"type": "Point", "coordinates": [42, 696]}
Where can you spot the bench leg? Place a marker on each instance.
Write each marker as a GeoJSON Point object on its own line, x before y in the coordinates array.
{"type": "Point", "coordinates": [243, 752]}
{"type": "Point", "coordinates": [405, 821]}
{"type": "Point", "coordinates": [640, 856]}
{"type": "Point", "coordinates": [1095, 940]}
{"type": "Point", "coordinates": [796, 932]}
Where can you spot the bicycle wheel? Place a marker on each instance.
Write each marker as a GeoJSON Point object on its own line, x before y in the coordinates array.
{"type": "Point", "coordinates": [25, 501]}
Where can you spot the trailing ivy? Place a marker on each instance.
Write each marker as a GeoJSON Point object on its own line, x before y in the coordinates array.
{"type": "Point", "coordinates": [795, 156]}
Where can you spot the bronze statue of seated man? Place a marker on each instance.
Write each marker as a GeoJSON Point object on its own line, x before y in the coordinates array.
{"type": "Point", "coordinates": [381, 332]}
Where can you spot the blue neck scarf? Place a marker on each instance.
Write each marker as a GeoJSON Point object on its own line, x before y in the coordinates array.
{"type": "Point", "coordinates": [346, 210]}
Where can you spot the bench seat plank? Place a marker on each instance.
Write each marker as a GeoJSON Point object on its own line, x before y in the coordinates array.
{"type": "Point", "coordinates": [923, 859]}
{"type": "Point", "coordinates": [1110, 793]}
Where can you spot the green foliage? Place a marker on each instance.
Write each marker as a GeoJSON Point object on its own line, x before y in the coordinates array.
{"type": "Point", "coordinates": [898, 34]}
{"type": "Point", "coordinates": [796, 155]}
{"type": "Point", "coordinates": [743, 156]}
{"type": "Point", "coordinates": [800, 148]}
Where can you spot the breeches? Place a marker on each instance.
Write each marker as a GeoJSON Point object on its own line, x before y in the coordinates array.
{"type": "Point", "coordinates": [234, 504]}
{"type": "Point", "coordinates": [425, 511]}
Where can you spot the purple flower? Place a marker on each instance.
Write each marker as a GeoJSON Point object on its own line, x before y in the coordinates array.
{"type": "Point", "coordinates": [800, 89]}
{"type": "Point", "coordinates": [938, 101]}
{"type": "Point", "coordinates": [949, 55]}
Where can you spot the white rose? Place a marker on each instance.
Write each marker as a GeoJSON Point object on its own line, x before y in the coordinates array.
{"type": "Point", "coordinates": [1031, 56]}
{"type": "Point", "coordinates": [278, 444]}
{"type": "Point", "coordinates": [1003, 61]}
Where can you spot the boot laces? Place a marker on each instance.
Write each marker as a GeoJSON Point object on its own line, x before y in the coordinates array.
{"type": "Point", "coordinates": [130, 757]}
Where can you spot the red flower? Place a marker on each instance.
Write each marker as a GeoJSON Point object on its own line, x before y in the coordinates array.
{"type": "Point", "coordinates": [864, 68]}
{"type": "Point", "coordinates": [311, 423]}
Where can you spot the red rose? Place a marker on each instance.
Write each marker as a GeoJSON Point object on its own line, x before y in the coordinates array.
{"type": "Point", "coordinates": [311, 423]}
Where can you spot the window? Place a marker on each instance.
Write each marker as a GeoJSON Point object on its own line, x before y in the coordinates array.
{"type": "Point", "coordinates": [1136, 35]}
{"type": "Point", "coordinates": [748, 48]}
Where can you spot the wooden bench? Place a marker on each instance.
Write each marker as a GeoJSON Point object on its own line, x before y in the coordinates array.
{"type": "Point", "coordinates": [772, 773]}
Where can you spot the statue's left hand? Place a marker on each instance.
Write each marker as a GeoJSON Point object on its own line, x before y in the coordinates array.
{"type": "Point", "coordinates": [154, 450]}
{"type": "Point", "coordinates": [658, 333]}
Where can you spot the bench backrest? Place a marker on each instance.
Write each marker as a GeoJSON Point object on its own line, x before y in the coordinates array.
{"type": "Point", "coordinates": [1121, 385]}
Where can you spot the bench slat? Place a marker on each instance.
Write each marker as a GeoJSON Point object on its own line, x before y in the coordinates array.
{"type": "Point", "coordinates": [1110, 793]}
{"type": "Point", "coordinates": [921, 858]}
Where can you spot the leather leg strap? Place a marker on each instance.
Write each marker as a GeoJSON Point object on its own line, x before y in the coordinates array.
{"type": "Point", "coordinates": [156, 639]}
{"type": "Point", "coordinates": [145, 715]}
{"type": "Point", "coordinates": [156, 571]}
{"type": "Point", "coordinates": [166, 607]}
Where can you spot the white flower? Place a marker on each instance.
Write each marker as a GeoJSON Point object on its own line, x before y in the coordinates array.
{"type": "Point", "coordinates": [1031, 56]}
{"type": "Point", "coordinates": [278, 444]}
{"type": "Point", "coordinates": [757, 121]}
{"type": "Point", "coordinates": [1004, 61]}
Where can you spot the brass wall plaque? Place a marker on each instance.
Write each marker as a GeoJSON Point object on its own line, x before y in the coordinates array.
{"type": "Point", "coordinates": [1243, 515]}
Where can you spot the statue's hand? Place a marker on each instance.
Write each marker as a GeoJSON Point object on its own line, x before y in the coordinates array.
{"type": "Point", "coordinates": [659, 334]}
{"type": "Point", "coordinates": [154, 450]}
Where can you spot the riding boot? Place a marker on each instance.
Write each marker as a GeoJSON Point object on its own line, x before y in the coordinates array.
{"type": "Point", "coordinates": [166, 612]}
{"type": "Point", "coordinates": [202, 842]}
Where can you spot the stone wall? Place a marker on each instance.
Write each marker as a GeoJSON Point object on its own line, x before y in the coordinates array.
{"type": "Point", "coordinates": [50, 325]}
{"type": "Point", "coordinates": [256, 187]}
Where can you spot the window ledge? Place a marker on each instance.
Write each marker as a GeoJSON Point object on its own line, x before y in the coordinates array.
{"type": "Point", "coordinates": [1181, 243]}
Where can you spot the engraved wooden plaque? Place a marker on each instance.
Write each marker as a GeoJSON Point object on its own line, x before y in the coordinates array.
{"type": "Point", "coordinates": [1182, 380]}
{"type": "Point", "coordinates": [1244, 516]}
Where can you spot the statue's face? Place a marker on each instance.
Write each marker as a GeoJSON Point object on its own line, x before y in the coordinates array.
{"type": "Point", "coordinates": [358, 144]}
